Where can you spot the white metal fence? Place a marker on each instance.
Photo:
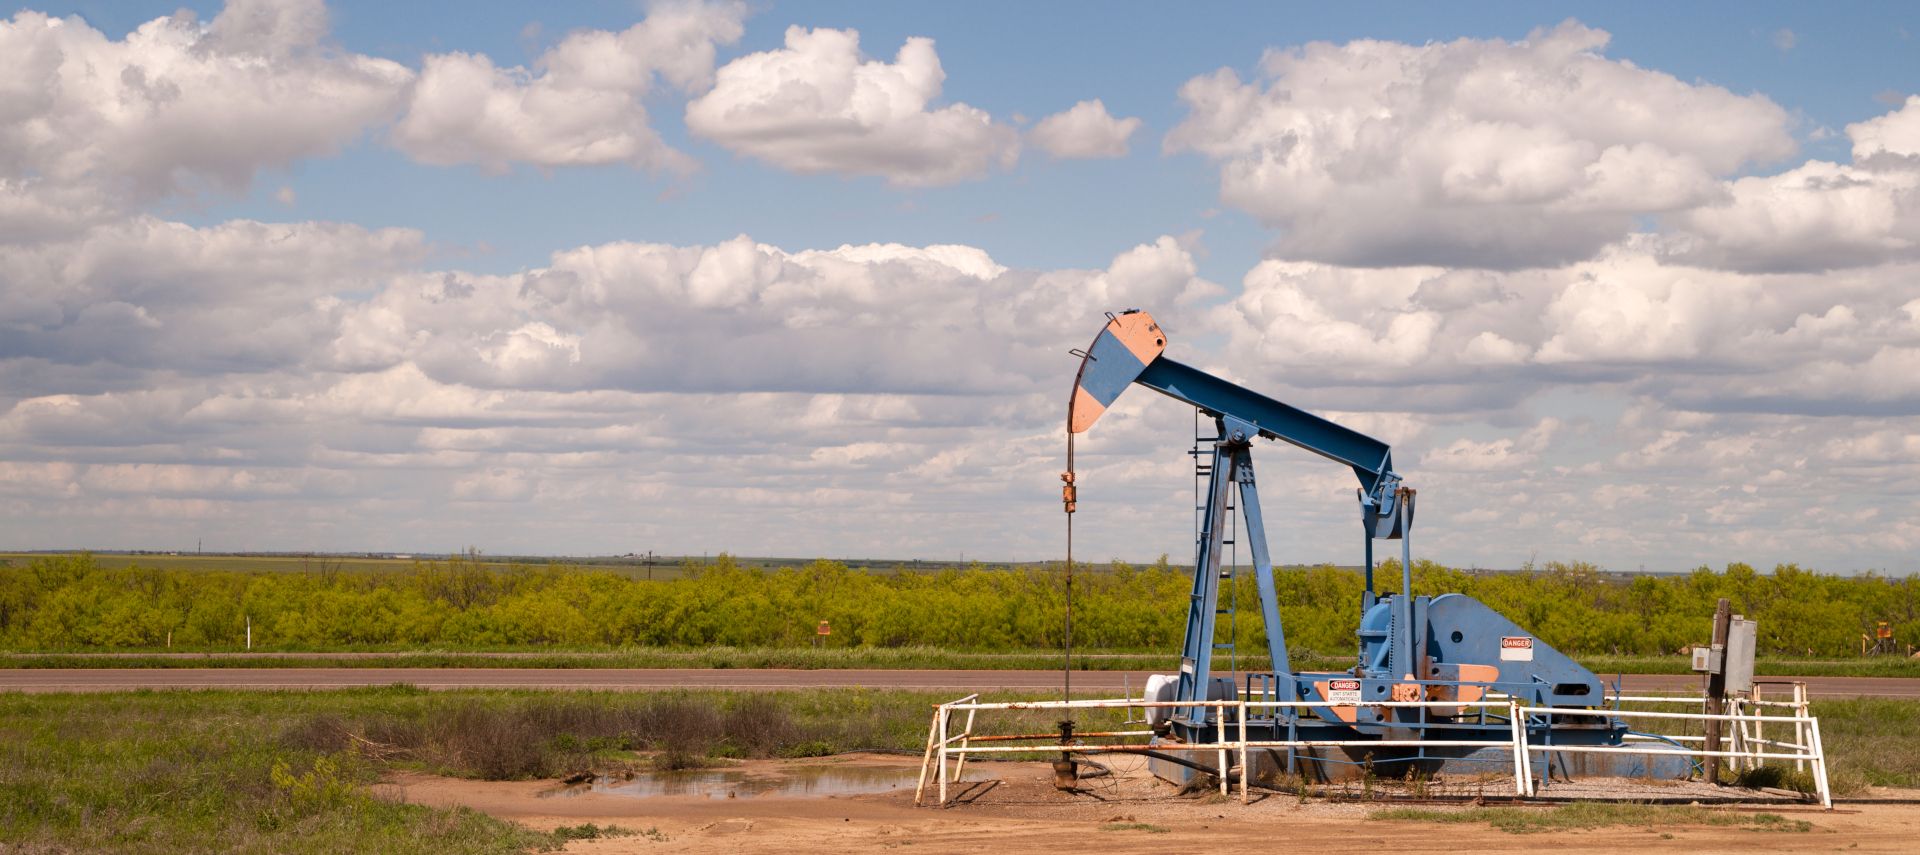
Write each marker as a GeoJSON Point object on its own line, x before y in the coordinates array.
{"type": "Point", "coordinates": [1745, 730]}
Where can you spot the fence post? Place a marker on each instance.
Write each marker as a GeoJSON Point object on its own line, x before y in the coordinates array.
{"type": "Point", "coordinates": [1514, 729]}
{"type": "Point", "coordinates": [1717, 688]}
{"type": "Point", "coordinates": [1800, 724]}
{"type": "Point", "coordinates": [1738, 739]}
{"type": "Point", "coordinates": [1220, 738]}
{"type": "Point", "coordinates": [945, 714]}
{"type": "Point", "coordinates": [926, 761]}
{"type": "Point", "coordinates": [1820, 764]}
{"type": "Point", "coordinates": [1526, 752]}
{"type": "Point", "coordinates": [1246, 764]}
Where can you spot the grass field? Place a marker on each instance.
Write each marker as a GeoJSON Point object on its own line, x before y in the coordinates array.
{"type": "Point", "coordinates": [299, 771]}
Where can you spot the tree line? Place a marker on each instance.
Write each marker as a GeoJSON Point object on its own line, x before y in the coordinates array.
{"type": "Point", "coordinates": [72, 602]}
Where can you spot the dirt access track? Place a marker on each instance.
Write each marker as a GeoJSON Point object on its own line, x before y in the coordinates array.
{"type": "Point", "coordinates": [1012, 807]}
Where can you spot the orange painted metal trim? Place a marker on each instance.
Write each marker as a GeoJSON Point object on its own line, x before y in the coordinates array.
{"type": "Point", "coordinates": [1144, 340]}
{"type": "Point", "coordinates": [1084, 411]}
{"type": "Point", "coordinates": [1139, 332]}
{"type": "Point", "coordinates": [1477, 674]}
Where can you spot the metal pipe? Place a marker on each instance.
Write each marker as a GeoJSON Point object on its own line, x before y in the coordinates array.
{"type": "Point", "coordinates": [1256, 743]}
{"type": "Point", "coordinates": [1078, 734]}
{"type": "Point", "coordinates": [1650, 714]}
{"type": "Point", "coordinates": [1092, 749]}
{"type": "Point", "coordinates": [1687, 752]}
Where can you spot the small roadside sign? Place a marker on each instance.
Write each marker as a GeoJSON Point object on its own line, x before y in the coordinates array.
{"type": "Point", "coordinates": [824, 629]}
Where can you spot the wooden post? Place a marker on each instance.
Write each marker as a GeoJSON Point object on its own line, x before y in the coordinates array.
{"type": "Point", "coordinates": [1717, 686]}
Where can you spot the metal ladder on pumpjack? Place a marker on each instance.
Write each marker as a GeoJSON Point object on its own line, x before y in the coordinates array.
{"type": "Point", "coordinates": [1228, 605]}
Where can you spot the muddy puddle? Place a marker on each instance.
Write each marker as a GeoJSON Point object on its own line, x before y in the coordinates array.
{"type": "Point", "coordinates": [740, 784]}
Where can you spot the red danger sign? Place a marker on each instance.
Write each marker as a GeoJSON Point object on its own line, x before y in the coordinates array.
{"type": "Point", "coordinates": [1516, 648]}
{"type": "Point", "coordinates": [1343, 691]}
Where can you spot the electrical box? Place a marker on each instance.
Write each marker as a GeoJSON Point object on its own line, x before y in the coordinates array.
{"type": "Point", "coordinates": [1703, 659]}
{"type": "Point", "coordinates": [1742, 636]}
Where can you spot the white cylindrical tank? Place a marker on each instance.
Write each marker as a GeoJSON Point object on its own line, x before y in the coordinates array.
{"type": "Point", "coordinates": [1160, 687]}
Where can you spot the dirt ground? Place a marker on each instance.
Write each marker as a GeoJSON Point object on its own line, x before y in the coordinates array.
{"type": "Point", "coordinates": [1012, 807]}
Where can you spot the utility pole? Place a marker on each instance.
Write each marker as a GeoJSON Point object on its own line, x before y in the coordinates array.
{"type": "Point", "coordinates": [1717, 686]}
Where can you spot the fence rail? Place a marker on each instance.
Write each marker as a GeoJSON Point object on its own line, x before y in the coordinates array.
{"type": "Point", "coordinates": [1747, 744]}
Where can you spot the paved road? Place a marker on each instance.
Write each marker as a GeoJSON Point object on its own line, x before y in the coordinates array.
{"type": "Point", "coordinates": [1105, 682]}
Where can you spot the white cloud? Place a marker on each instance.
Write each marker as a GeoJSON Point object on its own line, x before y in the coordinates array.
{"type": "Point", "coordinates": [90, 125]}
{"type": "Point", "coordinates": [1443, 340]}
{"type": "Point", "coordinates": [743, 316]}
{"type": "Point", "coordinates": [1085, 130]}
{"type": "Point", "coordinates": [815, 106]}
{"type": "Point", "coordinates": [878, 382]}
{"type": "Point", "coordinates": [1504, 454]}
{"type": "Point", "coordinates": [1896, 133]}
{"type": "Point", "coordinates": [1819, 215]}
{"type": "Point", "coordinates": [274, 28]}
{"type": "Point", "coordinates": [1468, 153]}
{"type": "Point", "coordinates": [494, 485]}
{"type": "Point", "coordinates": [148, 295]}
{"type": "Point", "coordinates": [741, 396]}
{"type": "Point", "coordinates": [1670, 397]}
{"type": "Point", "coordinates": [582, 104]}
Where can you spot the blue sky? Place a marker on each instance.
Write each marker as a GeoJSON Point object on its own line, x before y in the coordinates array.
{"type": "Point", "coordinates": [1628, 283]}
{"type": "Point", "coordinates": [1041, 214]}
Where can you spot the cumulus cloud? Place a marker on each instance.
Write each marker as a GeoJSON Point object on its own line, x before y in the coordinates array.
{"type": "Point", "coordinates": [90, 125]}
{"type": "Point", "coordinates": [149, 295]}
{"type": "Point", "coordinates": [1473, 153]}
{"type": "Point", "coordinates": [820, 386]}
{"type": "Point", "coordinates": [744, 316]}
{"type": "Point", "coordinates": [1740, 383]}
{"type": "Point", "coordinates": [1896, 133]}
{"type": "Point", "coordinates": [1431, 338]}
{"type": "Point", "coordinates": [815, 106]}
{"type": "Point", "coordinates": [582, 103]}
{"type": "Point", "coordinates": [1085, 130]}
{"type": "Point", "coordinates": [1819, 215]}
{"type": "Point", "coordinates": [648, 396]}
